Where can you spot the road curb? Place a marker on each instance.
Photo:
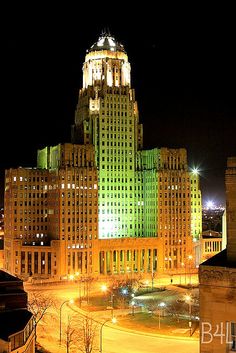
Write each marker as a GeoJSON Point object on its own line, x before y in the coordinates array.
{"type": "Point", "coordinates": [122, 328]}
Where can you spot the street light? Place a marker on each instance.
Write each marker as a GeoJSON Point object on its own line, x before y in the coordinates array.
{"type": "Point", "coordinates": [161, 305]}
{"type": "Point", "coordinates": [77, 274]}
{"type": "Point", "coordinates": [66, 301]}
{"type": "Point", "coordinates": [113, 320]}
{"type": "Point", "coordinates": [188, 300]}
{"type": "Point", "coordinates": [190, 257]}
{"type": "Point", "coordinates": [133, 306]}
{"type": "Point", "coordinates": [104, 288]}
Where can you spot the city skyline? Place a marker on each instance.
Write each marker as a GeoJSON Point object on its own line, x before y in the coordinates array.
{"type": "Point", "coordinates": [187, 100]}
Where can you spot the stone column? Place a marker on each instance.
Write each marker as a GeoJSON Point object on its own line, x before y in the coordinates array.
{"type": "Point", "coordinates": [145, 260]}
{"type": "Point", "coordinates": [95, 260]}
{"type": "Point", "coordinates": [138, 260]}
{"type": "Point", "coordinates": [105, 262]}
{"type": "Point", "coordinates": [46, 263]}
{"type": "Point", "coordinates": [118, 261]}
{"type": "Point", "coordinates": [151, 260]}
{"type": "Point", "coordinates": [125, 261]}
{"type": "Point", "coordinates": [26, 262]}
{"type": "Point", "coordinates": [111, 261]}
{"type": "Point", "coordinates": [39, 262]}
{"type": "Point", "coordinates": [32, 262]}
{"type": "Point", "coordinates": [83, 262]}
{"type": "Point", "coordinates": [131, 261]}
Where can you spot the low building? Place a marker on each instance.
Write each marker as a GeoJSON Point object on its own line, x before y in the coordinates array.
{"type": "Point", "coordinates": [17, 332]}
{"type": "Point", "coordinates": [210, 243]}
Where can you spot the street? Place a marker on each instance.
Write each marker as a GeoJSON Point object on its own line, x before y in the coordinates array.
{"type": "Point", "coordinates": [114, 339]}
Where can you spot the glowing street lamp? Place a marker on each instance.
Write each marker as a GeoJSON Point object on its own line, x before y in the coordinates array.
{"type": "Point", "coordinates": [124, 291]}
{"type": "Point", "coordinates": [105, 289]}
{"type": "Point", "coordinates": [66, 301]}
{"type": "Point", "coordinates": [133, 306]}
{"type": "Point", "coordinates": [71, 277]}
{"type": "Point", "coordinates": [113, 320]}
{"type": "Point", "coordinates": [188, 300]}
{"type": "Point", "coordinates": [162, 306]}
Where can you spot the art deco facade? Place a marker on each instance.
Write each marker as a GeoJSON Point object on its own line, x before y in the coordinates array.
{"type": "Point", "coordinates": [108, 206]}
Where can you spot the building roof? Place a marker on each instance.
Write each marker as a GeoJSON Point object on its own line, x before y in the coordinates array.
{"type": "Point", "coordinates": [219, 260]}
{"type": "Point", "coordinates": [211, 234]}
{"type": "Point", "coordinates": [13, 321]}
{"type": "Point", "coordinates": [107, 42]}
{"type": "Point", "coordinates": [6, 277]}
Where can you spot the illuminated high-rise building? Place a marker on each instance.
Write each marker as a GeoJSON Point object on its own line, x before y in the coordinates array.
{"type": "Point", "coordinates": [107, 117]}
{"type": "Point", "coordinates": [109, 206]}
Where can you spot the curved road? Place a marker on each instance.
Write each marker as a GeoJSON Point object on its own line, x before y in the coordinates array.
{"type": "Point", "coordinates": [117, 341]}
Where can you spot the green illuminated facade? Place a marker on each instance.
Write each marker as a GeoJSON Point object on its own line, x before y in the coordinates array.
{"type": "Point", "coordinates": [109, 206]}
{"type": "Point", "coordinates": [107, 117]}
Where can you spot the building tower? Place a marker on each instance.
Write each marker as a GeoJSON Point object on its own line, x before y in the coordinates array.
{"type": "Point", "coordinates": [107, 117]}
{"type": "Point", "coordinates": [101, 204]}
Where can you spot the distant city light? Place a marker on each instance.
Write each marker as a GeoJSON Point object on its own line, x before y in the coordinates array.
{"type": "Point", "coordinates": [210, 204]}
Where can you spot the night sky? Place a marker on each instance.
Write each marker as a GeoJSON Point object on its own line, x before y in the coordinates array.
{"type": "Point", "coordinates": [183, 70]}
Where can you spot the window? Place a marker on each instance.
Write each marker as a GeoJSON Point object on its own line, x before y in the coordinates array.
{"type": "Point", "coordinates": [233, 337]}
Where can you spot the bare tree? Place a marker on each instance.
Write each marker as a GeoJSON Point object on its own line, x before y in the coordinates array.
{"type": "Point", "coordinates": [86, 334]}
{"type": "Point", "coordinates": [152, 305]}
{"type": "Point", "coordinates": [81, 333]}
{"type": "Point", "coordinates": [176, 308]}
{"type": "Point", "coordinates": [39, 304]}
{"type": "Point", "coordinates": [70, 334]}
{"type": "Point", "coordinates": [87, 283]}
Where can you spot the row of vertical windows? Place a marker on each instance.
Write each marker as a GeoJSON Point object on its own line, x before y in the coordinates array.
{"type": "Point", "coordinates": [114, 113]}
{"type": "Point", "coordinates": [118, 167]}
{"type": "Point", "coordinates": [30, 179]}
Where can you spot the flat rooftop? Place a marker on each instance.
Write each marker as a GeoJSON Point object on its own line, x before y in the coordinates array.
{"type": "Point", "coordinates": [13, 321]}
{"type": "Point", "coordinates": [6, 277]}
{"type": "Point", "coordinates": [219, 260]}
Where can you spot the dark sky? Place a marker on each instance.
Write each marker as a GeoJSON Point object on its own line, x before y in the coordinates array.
{"type": "Point", "coordinates": [183, 70]}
